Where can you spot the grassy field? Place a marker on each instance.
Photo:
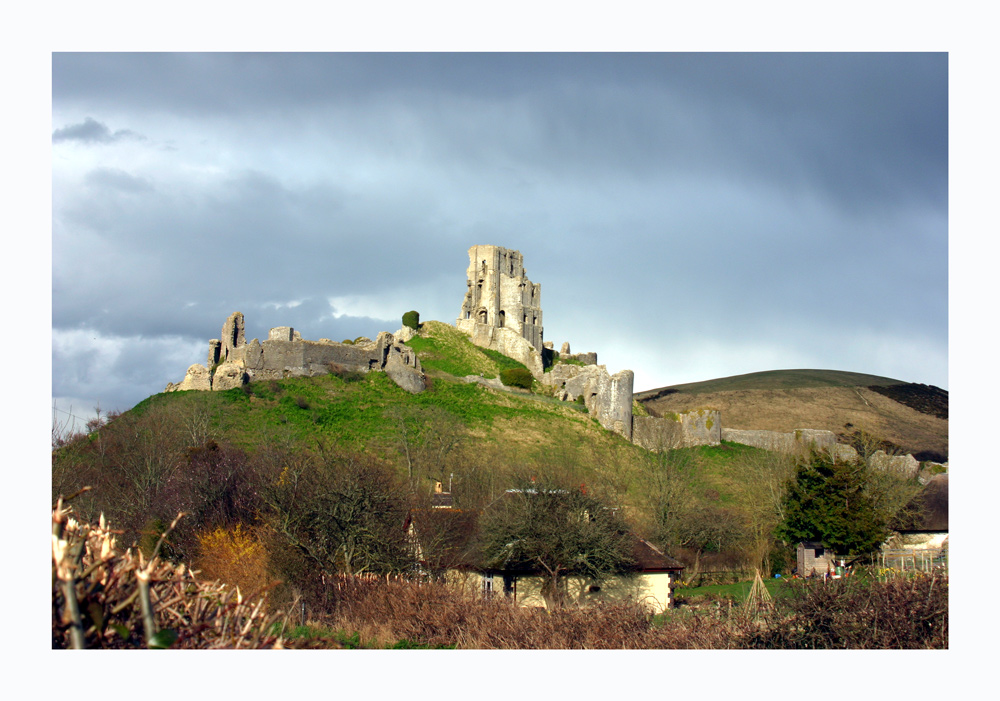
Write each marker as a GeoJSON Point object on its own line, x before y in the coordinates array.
{"type": "Point", "coordinates": [736, 593]}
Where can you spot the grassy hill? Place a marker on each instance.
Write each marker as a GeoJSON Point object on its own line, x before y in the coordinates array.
{"type": "Point", "coordinates": [453, 431]}
{"type": "Point", "coordinates": [477, 438]}
{"type": "Point", "coordinates": [281, 480]}
{"type": "Point", "coordinates": [776, 379]}
{"type": "Point", "coordinates": [910, 416]}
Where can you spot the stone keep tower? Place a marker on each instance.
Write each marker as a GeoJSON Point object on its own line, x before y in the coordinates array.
{"type": "Point", "coordinates": [500, 295]}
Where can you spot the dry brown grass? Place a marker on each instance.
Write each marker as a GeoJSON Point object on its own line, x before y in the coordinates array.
{"type": "Point", "coordinates": [437, 615]}
{"type": "Point", "coordinates": [903, 612]}
{"type": "Point", "coordinates": [828, 408]}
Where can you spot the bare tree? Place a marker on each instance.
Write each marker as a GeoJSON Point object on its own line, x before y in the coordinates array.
{"type": "Point", "coordinates": [424, 438]}
{"type": "Point", "coordinates": [555, 531]}
{"type": "Point", "coordinates": [668, 496]}
{"type": "Point", "coordinates": [345, 513]}
{"type": "Point", "coordinates": [760, 493]}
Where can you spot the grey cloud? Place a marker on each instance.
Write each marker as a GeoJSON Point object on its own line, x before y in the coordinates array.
{"type": "Point", "coordinates": [91, 131]}
{"type": "Point", "coordinates": [117, 371]}
{"type": "Point", "coordinates": [117, 179]}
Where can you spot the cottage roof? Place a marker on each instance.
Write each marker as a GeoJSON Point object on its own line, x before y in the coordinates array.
{"type": "Point", "coordinates": [446, 535]}
{"type": "Point", "coordinates": [933, 503]}
{"type": "Point", "coordinates": [441, 500]}
{"type": "Point", "coordinates": [649, 558]}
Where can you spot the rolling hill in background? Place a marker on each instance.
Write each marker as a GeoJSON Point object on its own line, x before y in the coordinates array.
{"type": "Point", "coordinates": [912, 417]}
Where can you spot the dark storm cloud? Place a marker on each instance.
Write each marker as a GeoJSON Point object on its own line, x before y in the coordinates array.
{"type": "Point", "coordinates": [178, 263]}
{"type": "Point", "coordinates": [92, 131]}
{"type": "Point", "coordinates": [758, 200]}
{"type": "Point", "coordinates": [861, 126]}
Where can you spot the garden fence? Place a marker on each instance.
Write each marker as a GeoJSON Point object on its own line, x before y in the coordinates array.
{"type": "Point", "coordinates": [911, 559]}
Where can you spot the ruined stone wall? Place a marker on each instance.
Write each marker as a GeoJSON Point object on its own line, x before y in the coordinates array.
{"type": "Point", "coordinates": [798, 441]}
{"type": "Point", "coordinates": [508, 342]}
{"type": "Point", "coordinates": [906, 465]}
{"type": "Point", "coordinates": [685, 430]}
{"type": "Point", "coordinates": [285, 354]}
{"type": "Point", "coordinates": [607, 397]}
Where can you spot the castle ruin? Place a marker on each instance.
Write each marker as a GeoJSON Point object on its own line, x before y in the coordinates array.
{"type": "Point", "coordinates": [502, 310]}
{"type": "Point", "coordinates": [500, 295]}
{"type": "Point", "coordinates": [232, 362]}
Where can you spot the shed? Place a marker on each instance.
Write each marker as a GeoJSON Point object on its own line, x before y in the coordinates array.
{"type": "Point", "coordinates": [814, 559]}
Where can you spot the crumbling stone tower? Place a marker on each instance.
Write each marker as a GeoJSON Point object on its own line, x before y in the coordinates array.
{"type": "Point", "coordinates": [500, 295]}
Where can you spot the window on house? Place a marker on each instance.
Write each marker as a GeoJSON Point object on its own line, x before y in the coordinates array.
{"type": "Point", "coordinates": [818, 552]}
{"type": "Point", "coordinates": [487, 584]}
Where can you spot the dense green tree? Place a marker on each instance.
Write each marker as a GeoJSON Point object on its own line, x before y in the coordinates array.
{"type": "Point", "coordinates": [412, 319]}
{"type": "Point", "coordinates": [830, 502]}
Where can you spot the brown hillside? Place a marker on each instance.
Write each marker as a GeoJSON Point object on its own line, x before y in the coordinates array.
{"type": "Point", "coordinates": [843, 410]}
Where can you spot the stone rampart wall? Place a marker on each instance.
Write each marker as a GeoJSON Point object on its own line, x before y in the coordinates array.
{"type": "Point", "coordinates": [286, 354]}
{"type": "Point", "coordinates": [686, 430]}
{"type": "Point", "coordinates": [798, 441]}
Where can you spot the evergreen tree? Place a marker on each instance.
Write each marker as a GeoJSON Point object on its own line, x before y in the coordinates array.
{"type": "Point", "coordinates": [829, 502]}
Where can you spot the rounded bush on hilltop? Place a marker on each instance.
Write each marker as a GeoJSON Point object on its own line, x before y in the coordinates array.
{"type": "Point", "coordinates": [412, 319]}
{"type": "Point", "coordinates": [517, 377]}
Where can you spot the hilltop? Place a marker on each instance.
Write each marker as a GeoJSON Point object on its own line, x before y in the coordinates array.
{"type": "Point", "coordinates": [910, 416]}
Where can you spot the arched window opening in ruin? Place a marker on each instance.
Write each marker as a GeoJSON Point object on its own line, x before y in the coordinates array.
{"type": "Point", "coordinates": [481, 316]}
{"type": "Point", "coordinates": [503, 318]}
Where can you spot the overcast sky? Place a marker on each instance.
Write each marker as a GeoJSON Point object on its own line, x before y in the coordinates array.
{"type": "Point", "coordinates": [688, 216]}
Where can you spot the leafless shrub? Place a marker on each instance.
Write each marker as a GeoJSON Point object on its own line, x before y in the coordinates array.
{"type": "Point", "coordinates": [105, 598]}
{"type": "Point", "coordinates": [900, 613]}
{"type": "Point", "coordinates": [908, 611]}
{"type": "Point", "coordinates": [439, 615]}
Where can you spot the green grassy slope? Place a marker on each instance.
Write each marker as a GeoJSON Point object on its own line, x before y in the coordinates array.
{"type": "Point", "coordinates": [446, 351]}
